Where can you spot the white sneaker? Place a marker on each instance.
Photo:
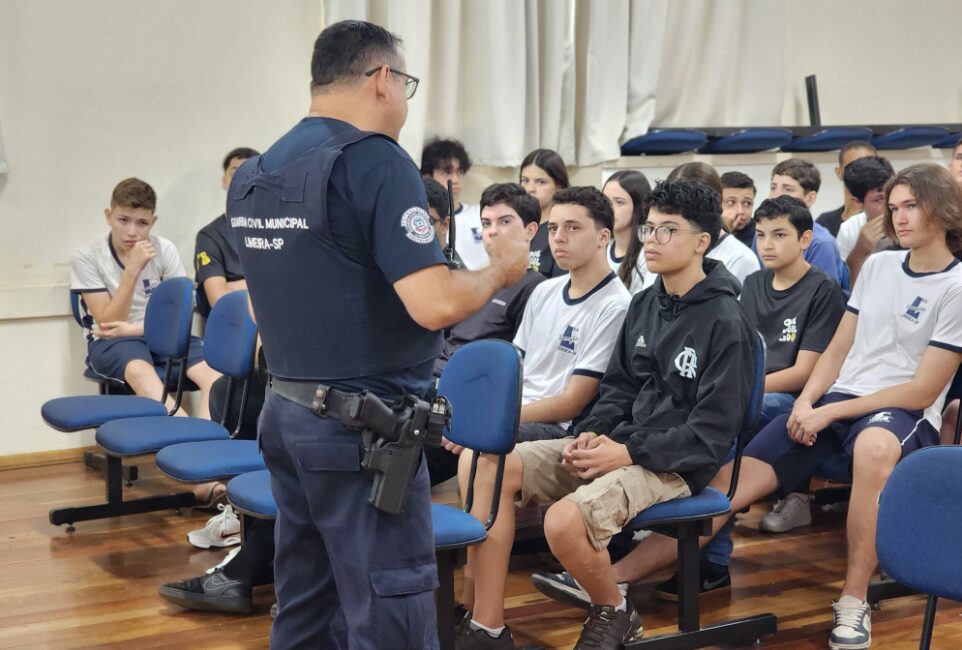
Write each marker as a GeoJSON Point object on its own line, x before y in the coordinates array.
{"type": "Point", "coordinates": [853, 625]}
{"type": "Point", "coordinates": [221, 530]}
{"type": "Point", "coordinates": [791, 512]}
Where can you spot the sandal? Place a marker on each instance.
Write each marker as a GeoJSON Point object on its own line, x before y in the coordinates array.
{"type": "Point", "coordinates": [216, 494]}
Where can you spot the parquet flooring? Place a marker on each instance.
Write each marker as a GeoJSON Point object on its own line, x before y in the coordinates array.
{"type": "Point", "coordinates": [97, 587]}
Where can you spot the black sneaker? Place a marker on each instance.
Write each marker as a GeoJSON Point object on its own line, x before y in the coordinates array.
{"type": "Point", "coordinates": [214, 592]}
{"type": "Point", "coordinates": [461, 616]}
{"type": "Point", "coordinates": [714, 578]}
{"type": "Point", "coordinates": [607, 628]}
{"type": "Point", "coordinates": [470, 638]}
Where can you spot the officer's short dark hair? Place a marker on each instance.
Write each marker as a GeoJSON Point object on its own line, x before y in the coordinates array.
{"type": "Point", "coordinates": [855, 144]}
{"type": "Point", "coordinates": [350, 48]}
{"type": "Point", "coordinates": [802, 171]}
{"type": "Point", "coordinates": [866, 174]}
{"type": "Point", "coordinates": [437, 197]}
{"type": "Point", "coordinates": [696, 202]}
{"type": "Point", "coordinates": [513, 196]}
{"type": "Point", "coordinates": [592, 199]}
{"type": "Point", "coordinates": [438, 154]}
{"type": "Point", "coordinates": [240, 152]}
{"type": "Point", "coordinates": [737, 181]}
{"type": "Point", "coordinates": [787, 206]}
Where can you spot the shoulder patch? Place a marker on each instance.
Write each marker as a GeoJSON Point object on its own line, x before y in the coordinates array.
{"type": "Point", "coordinates": [417, 225]}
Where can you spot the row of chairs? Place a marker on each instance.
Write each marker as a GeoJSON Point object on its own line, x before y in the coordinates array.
{"type": "Point", "coordinates": [796, 140]}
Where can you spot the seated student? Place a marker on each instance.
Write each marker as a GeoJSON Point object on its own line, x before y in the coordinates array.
{"type": "Point", "coordinates": [955, 163]}
{"type": "Point", "coordinates": [670, 400]}
{"type": "Point", "coordinates": [439, 210]}
{"type": "Point", "coordinates": [863, 234]}
{"type": "Point", "coordinates": [737, 258]}
{"type": "Point", "coordinates": [627, 191]}
{"type": "Point", "coordinates": [217, 269]}
{"type": "Point", "coordinates": [115, 275]}
{"type": "Point", "coordinates": [833, 219]}
{"type": "Point", "coordinates": [445, 160]}
{"type": "Point", "coordinates": [800, 178]}
{"type": "Point", "coordinates": [542, 174]}
{"type": "Point", "coordinates": [875, 394]}
{"type": "Point", "coordinates": [738, 202]}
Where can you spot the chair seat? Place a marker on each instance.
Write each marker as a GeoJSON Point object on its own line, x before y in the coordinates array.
{"type": "Point", "coordinates": [135, 436]}
{"type": "Point", "coordinates": [454, 527]}
{"type": "Point", "coordinates": [664, 142]}
{"type": "Point", "coordinates": [91, 411]}
{"type": "Point", "coordinates": [709, 503]}
{"type": "Point", "coordinates": [829, 139]}
{"type": "Point", "coordinates": [209, 460]}
{"type": "Point", "coordinates": [910, 137]}
{"type": "Point", "coordinates": [251, 494]}
{"type": "Point", "coordinates": [748, 141]}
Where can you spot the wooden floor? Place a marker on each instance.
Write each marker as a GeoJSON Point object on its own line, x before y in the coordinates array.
{"type": "Point", "coordinates": [97, 587]}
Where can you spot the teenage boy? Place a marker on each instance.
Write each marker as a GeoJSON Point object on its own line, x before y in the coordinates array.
{"type": "Point", "coordinates": [876, 393]}
{"type": "Point", "coordinates": [955, 164]}
{"type": "Point", "coordinates": [800, 178]}
{"type": "Point", "coordinates": [115, 275]}
{"type": "Point", "coordinates": [445, 160]}
{"type": "Point", "coordinates": [852, 151]}
{"type": "Point", "coordinates": [738, 202]}
{"type": "Point", "coordinates": [217, 269]}
{"type": "Point", "coordinates": [670, 401]}
{"type": "Point", "coordinates": [863, 234]}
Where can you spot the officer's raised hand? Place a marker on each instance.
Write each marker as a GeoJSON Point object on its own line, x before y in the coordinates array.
{"type": "Point", "coordinates": [510, 254]}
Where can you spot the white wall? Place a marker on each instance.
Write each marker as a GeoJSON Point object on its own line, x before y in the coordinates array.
{"type": "Point", "coordinates": [95, 91]}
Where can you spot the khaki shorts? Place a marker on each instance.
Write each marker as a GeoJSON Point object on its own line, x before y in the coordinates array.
{"type": "Point", "coordinates": [608, 502]}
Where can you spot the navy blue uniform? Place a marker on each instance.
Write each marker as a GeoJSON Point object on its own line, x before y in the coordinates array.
{"type": "Point", "coordinates": [325, 222]}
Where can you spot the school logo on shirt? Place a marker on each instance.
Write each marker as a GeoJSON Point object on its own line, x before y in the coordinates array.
{"type": "Point", "coordinates": [569, 339]}
{"type": "Point", "coordinates": [687, 363]}
{"type": "Point", "coordinates": [148, 288]}
{"type": "Point", "coordinates": [476, 233]}
{"type": "Point", "coordinates": [789, 331]}
{"type": "Point", "coordinates": [881, 416]}
{"type": "Point", "coordinates": [417, 225]}
{"type": "Point", "coordinates": [914, 311]}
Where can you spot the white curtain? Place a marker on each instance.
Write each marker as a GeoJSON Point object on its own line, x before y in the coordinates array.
{"type": "Point", "coordinates": [578, 76]}
{"type": "Point", "coordinates": [3, 160]}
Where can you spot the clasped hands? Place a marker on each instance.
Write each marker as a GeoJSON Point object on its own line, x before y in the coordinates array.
{"type": "Point", "coordinates": [589, 456]}
{"type": "Point", "coordinates": [805, 422]}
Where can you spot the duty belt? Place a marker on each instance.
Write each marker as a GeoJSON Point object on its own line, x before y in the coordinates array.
{"type": "Point", "coordinates": [323, 401]}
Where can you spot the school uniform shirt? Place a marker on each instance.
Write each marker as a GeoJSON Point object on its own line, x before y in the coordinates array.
{"type": "Point", "coordinates": [638, 274]}
{"type": "Point", "coordinates": [802, 317]}
{"type": "Point", "coordinates": [96, 268]}
{"type": "Point", "coordinates": [900, 313]}
{"type": "Point", "coordinates": [831, 220]}
{"type": "Point", "coordinates": [563, 336]}
{"type": "Point", "coordinates": [467, 237]}
{"type": "Point", "coordinates": [848, 233]}
{"type": "Point", "coordinates": [737, 258]}
{"type": "Point", "coordinates": [679, 379]}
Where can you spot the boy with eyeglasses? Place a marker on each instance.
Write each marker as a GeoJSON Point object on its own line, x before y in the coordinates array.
{"type": "Point", "coordinates": [670, 401]}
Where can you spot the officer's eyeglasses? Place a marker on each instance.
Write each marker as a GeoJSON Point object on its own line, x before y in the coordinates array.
{"type": "Point", "coordinates": [662, 233]}
{"type": "Point", "coordinates": [410, 81]}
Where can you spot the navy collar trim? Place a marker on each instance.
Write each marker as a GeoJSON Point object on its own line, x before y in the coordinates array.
{"type": "Point", "coordinates": [577, 301]}
{"type": "Point", "coordinates": [913, 274]}
{"type": "Point", "coordinates": [110, 245]}
{"type": "Point", "coordinates": [611, 254]}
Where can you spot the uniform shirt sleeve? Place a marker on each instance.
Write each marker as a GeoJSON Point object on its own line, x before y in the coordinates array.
{"type": "Point", "coordinates": [208, 259]}
{"type": "Point", "coordinates": [868, 270]}
{"type": "Point", "coordinates": [948, 327]}
{"type": "Point", "coordinates": [600, 341]}
{"type": "Point", "coordinates": [516, 308]}
{"type": "Point", "coordinates": [524, 328]}
{"type": "Point", "coordinates": [84, 276]}
{"type": "Point", "coordinates": [847, 236]}
{"type": "Point", "coordinates": [823, 253]}
{"type": "Point", "coordinates": [828, 305]}
{"type": "Point", "coordinates": [170, 264]}
{"type": "Point", "coordinates": [391, 196]}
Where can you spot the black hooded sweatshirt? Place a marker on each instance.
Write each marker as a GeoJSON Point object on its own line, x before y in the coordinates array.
{"type": "Point", "coordinates": [679, 379]}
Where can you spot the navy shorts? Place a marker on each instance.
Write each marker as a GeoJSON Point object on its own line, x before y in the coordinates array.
{"type": "Point", "coordinates": [794, 464]}
{"type": "Point", "coordinates": [109, 357]}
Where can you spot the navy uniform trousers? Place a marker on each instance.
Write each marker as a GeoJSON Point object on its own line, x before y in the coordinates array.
{"type": "Point", "coordinates": [347, 575]}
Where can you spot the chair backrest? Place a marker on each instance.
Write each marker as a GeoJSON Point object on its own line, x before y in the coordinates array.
{"type": "Point", "coordinates": [919, 531]}
{"type": "Point", "coordinates": [230, 336]}
{"type": "Point", "coordinates": [167, 317]}
{"type": "Point", "coordinates": [752, 410]}
{"type": "Point", "coordinates": [482, 383]}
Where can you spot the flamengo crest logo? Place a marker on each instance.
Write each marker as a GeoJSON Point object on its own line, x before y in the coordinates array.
{"type": "Point", "coordinates": [687, 363]}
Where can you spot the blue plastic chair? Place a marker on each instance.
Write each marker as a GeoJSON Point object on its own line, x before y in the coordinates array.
{"type": "Point", "coordinates": [910, 136]}
{"type": "Point", "coordinates": [950, 142]}
{"type": "Point", "coordinates": [919, 529]}
{"type": "Point", "coordinates": [829, 139]}
{"type": "Point", "coordinates": [688, 518]}
{"type": "Point", "coordinates": [251, 495]}
{"type": "Point", "coordinates": [482, 383]}
{"type": "Point", "coordinates": [748, 141]}
{"type": "Point", "coordinates": [660, 142]}
{"type": "Point", "coordinates": [229, 349]}
{"type": "Point", "coordinates": [167, 332]}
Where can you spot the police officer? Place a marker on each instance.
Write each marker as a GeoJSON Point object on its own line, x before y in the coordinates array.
{"type": "Point", "coordinates": [348, 288]}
